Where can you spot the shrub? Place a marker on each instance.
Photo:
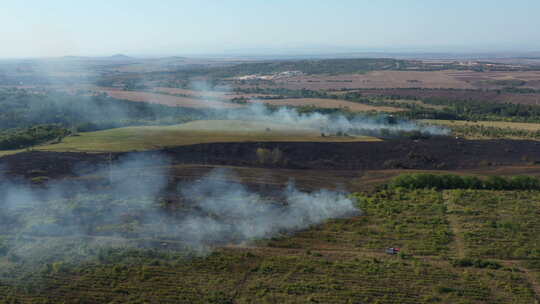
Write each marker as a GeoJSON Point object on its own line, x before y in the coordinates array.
{"type": "Point", "coordinates": [476, 263]}
{"type": "Point", "coordinates": [263, 156]}
{"type": "Point", "coordinates": [451, 181]}
{"type": "Point", "coordinates": [270, 157]}
{"type": "Point", "coordinates": [40, 179]}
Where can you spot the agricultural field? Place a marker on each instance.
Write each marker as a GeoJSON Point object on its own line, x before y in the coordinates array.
{"type": "Point", "coordinates": [326, 103]}
{"type": "Point", "coordinates": [508, 95]}
{"type": "Point", "coordinates": [445, 79]}
{"type": "Point", "coordinates": [197, 132]}
{"type": "Point", "coordinates": [219, 99]}
{"type": "Point", "coordinates": [375, 79]}
{"type": "Point", "coordinates": [168, 100]}
{"type": "Point", "coordinates": [245, 181]}
{"type": "Point", "coordinates": [415, 103]}
{"type": "Point", "coordinates": [500, 225]}
{"type": "Point", "coordinates": [443, 259]}
{"type": "Point", "coordinates": [496, 124]}
{"type": "Point", "coordinates": [224, 94]}
{"type": "Point", "coordinates": [490, 129]}
{"type": "Point", "coordinates": [495, 79]}
{"type": "Point", "coordinates": [268, 157]}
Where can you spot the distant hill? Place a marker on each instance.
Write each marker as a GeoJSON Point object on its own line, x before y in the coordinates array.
{"type": "Point", "coordinates": [116, 57]}
{"type": "Point", "coordinates": [120, 56]}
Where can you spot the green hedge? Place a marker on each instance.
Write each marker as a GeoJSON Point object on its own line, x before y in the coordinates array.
{"type": "Point", "coordinates": [452, 181]}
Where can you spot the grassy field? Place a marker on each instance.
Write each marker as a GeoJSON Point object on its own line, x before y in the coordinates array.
{"type": "Point", "coordinates": [211, 94]}
{"type": "Point", "coordinates": [454, 79]}
{"type": "Point", "coordinates": [490, 129]}
{"type": "Point", "coordinates": [444, 237]}
{"type": "Point", "coordinates": [331, 104]}
{"type": "Point", "coordinates": [496, 229]}
{"type": "Point", "coordinates": [199, 102]}
{"type": "Point", "coordinates": [169, 100]}
{"type": "Point", "coordinates": [377, 79]}
{"type": "Point", "coordinates": [496, 124]}
{"type": "Point", "coordinates": [156, 137]}
{"type": "Point", "coordinates": [215, 99]}
{"type": "Point", "coordinates": [415, 102]}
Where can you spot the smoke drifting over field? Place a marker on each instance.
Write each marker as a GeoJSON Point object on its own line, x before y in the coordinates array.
{"type": "Point", "coordinates": [42, 223]}
{"type": "Point", "coordinates": [333, 123]}
{"type": "Point", "coordinates": [359, 124]}
{"type": "Point", "coordinates": [231, 212]}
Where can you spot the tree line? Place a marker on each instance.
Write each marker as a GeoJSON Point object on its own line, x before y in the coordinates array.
{"type": "Point", "coordinates": [26, 137]}
{"type": "Point", "coordinates": [28, 118]}
{"type": "Point", "coordinates": [23, 109]}
{"type": "Point", "coordinates": [452, 181]}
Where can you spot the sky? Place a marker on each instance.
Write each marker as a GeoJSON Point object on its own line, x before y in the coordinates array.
{"type": "Point", "coordinates": [36, 28]}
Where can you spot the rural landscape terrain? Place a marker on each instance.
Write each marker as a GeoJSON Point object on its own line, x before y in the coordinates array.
{"type": "Point", "coordinates": [356, 179]}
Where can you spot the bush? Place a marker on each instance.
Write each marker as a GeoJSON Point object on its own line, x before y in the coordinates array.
{"type": "Point", "coordinates": [477, 263]}
{"type": "Point", "coordinates": [523, 182]}
{"type": "Point", "coordinates": [270, 157]}
{"type": "Point", "coordinates": [263, 156]}
{"type": "Point", "coordinates": [40, 179]}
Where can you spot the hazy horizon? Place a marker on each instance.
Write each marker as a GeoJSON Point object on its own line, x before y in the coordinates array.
{"type": "Point", "coordinates": [186, 28]}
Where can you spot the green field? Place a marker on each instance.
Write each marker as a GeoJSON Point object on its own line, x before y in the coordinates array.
{"type": "Point", "coordinates": [457, 247]}
{"type": "Point", "coordinates": [490, 129]}
{"type": "Point", "coordinates": [202, 131]}
{"type": "Point", "coordinates": [496, 124]}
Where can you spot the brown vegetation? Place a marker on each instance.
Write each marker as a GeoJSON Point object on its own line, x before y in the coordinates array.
{"type": "Point", "coordinates": [168, 99]}
{"type": "Point", "coordinates": [446, 79]}
{"type": "Point", "coordinates": [329, 103]}
{"type": "Point", "coordinates": [375, 79]}
{"type": "Point", "coordinates": [211, 94]}
{"type": "Point", "coordinates": [477, 95]}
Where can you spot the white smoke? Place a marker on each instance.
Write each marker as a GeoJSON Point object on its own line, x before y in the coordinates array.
{"type": "Point", "coordinates": [65, 218]}
{"type": "Point", "coordinates": [234, 214]}
{"type": "Point", "coordinates": [329, 123]}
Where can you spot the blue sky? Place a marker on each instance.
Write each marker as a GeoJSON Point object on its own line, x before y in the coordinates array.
{"type": "Point", "coordinates": [32, 28]}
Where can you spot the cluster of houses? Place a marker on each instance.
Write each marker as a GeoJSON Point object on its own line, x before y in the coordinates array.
{"type": "Point", "coordinates": [274, 76]}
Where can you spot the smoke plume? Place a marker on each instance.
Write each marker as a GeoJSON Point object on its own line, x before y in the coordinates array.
{"type": "Point", "coordinates": [128, 209]}
{"type": "Point", "coordinates": [332, 123]}
{"type": "Point", "coordinates": [228, 212]}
